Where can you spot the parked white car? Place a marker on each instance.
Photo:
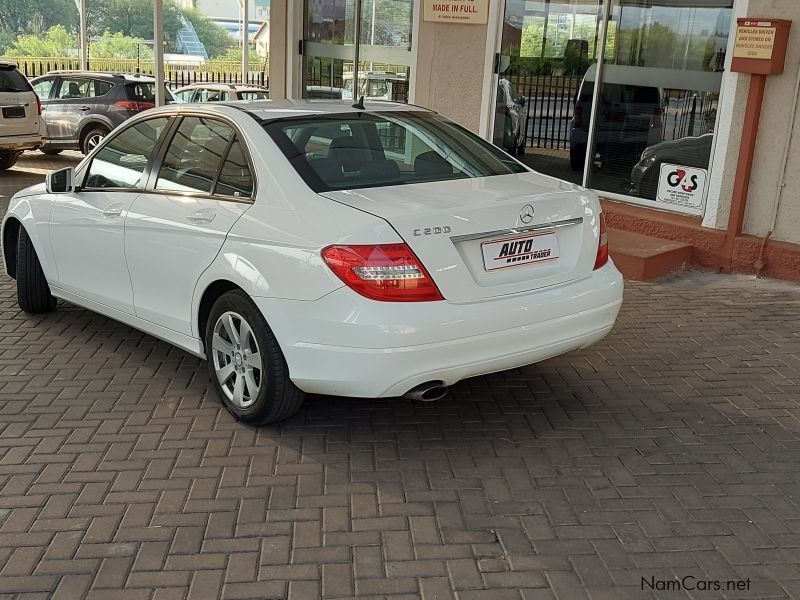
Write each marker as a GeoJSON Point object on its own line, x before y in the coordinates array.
{"type": "Point", "coordinates": [21, 124]}
{"type": "Point", "coordinates": [320, 248]}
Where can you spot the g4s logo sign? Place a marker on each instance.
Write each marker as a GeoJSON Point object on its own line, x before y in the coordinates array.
{"type": "Point", "coordinates": [678, 178]}
{"type": "Point", "coordinates": [683, 187]}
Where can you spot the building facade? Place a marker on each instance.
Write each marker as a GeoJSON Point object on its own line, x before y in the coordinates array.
{"type": "Point", "coordinates": [633, 98]}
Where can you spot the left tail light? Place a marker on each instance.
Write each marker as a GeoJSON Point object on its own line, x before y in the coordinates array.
{"type": "Point", "coordinates": [602, 246]}
{"type": "Point", "coordinates": [385, 272]}
{"type": "Point", "coordinates": [38, 104]}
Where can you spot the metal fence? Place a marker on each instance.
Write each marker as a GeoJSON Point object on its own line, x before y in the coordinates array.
{"type": "Point", "coordinates": [176, 75]}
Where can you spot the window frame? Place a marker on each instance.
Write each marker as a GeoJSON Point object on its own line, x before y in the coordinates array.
{"type": "Point", "coordinates": [80, 78]}
{"type": "Point", "coordinates": [158, 162]}
{"type": "Point", "coordinates": [85, 169]}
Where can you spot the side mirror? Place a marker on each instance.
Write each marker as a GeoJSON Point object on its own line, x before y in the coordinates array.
{"type": "Point", "coordinates": [521, 100]}
{"type": "Point", "coordinates": [61, 181]}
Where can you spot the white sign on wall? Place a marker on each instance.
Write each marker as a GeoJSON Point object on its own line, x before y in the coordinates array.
{"type": "Point", "coordinates": [475, 12]}
{"type": "Point", "coordinates": [683, 187]}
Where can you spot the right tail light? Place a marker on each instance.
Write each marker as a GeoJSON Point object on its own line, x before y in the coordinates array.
{"type": "Point", "coordinates": [602, 246]}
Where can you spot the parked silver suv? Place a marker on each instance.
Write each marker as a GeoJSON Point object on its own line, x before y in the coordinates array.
{"type": "Point", "coordinates": [21, 125]}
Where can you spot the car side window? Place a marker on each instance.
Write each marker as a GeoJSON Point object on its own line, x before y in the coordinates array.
{"type": "Point", "coordinates": [73, 88]}
{"type": "Point", "coordinates": [185, 95]}
{"type": "Point", "coordinates": [235, 178]}
{"type": "Point", "coordinates": [42, 88]}
{"type": "Point", "coordinates": [98, 87]}
{"type": "Point", "coordinates": [121, 162]}
{"type": "Point", "coordinates": [194, 155]}
{"type": "Point", "coordinates": [202, 95]}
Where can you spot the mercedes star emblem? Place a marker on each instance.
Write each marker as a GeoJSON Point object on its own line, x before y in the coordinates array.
{"type": "Point", "coordinates": [526, 214]}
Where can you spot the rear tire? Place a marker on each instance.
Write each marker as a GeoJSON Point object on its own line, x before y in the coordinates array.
{"type": "Point", "coordinates": [246, 365]}
{"type": "Point", "coordinates": [51, 151]}
{"type": "Point", "coordinates": [33, 293]}
{"type": "Point", "coordinates": [93, 137]}
{"type": "Point", "coordinates": [8, 159]}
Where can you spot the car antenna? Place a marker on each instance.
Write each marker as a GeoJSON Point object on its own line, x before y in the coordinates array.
{"type": "Point", "coordinates": [360, 104]}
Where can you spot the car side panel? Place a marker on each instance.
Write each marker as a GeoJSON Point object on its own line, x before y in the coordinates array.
{"type": "Point", "coordinates": [273, 250]}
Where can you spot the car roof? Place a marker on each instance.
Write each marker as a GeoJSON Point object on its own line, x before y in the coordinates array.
{"type": "Point", "coordinates": [7, 65]}
{"type": "Point", "coordinates": [102, 74]}
{"type": "Point", "coordinates": [268, 110]}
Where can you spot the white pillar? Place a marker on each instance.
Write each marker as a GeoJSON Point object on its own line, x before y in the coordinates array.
{"type": "Point", "coordinates": [158, 49]}
{"type": "Point", "coordinates": [245, 40]}
{"type": "Point", "coordinates": [84, 38]}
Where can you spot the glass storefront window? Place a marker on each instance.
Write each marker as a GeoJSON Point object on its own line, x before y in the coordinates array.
{"type": "Point", "coordinates": [658, 102]}
{"type": "Point", "coordinates": [657, 97]}
{"type": "Point", "coordinates": [383, 54]}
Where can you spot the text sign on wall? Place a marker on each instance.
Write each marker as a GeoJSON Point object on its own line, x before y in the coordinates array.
{"type": "Point", "coordinates": [681, 186]}
{"type": "Point", "coordinates": [754, 39]}
{"type": "Point", "coordinates": [457, 11]}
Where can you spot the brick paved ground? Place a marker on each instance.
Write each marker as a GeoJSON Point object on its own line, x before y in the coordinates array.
{"type": "Point", "coordinates": [670, 449]}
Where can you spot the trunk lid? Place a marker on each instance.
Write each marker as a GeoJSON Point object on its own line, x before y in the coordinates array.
{"type": "Point", "coordinates": [471, 234]}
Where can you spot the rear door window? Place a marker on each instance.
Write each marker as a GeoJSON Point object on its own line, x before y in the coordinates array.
{"type": "Point", "coordinates": [11, 80]}
{"type": "Point", "coordinates": [194, 156]}
{"type": "Point", "coordinates": [43, 88]}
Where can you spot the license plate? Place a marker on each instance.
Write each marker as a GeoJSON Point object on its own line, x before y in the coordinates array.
{"type": "Point", "coordinates": [521, 250]}
{"type": "Point", "coordinates": [13, 112]}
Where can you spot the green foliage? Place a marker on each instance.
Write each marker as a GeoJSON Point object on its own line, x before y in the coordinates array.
{"type": "Point", "coordinates": [132, 18]}
{"type": "Point", "coordinates": [36, 16]}
{"type": "Point", "coordinates": [234, 54]}
{"type": "Point", "coordinates": [56, 41]}
{"type": "Point", "coordinates": [116, 45]}
{"type": "Point", "coordinates": [214, 38]}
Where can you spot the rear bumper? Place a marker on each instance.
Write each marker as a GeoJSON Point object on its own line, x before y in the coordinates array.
{"type": "Point", "coordinates": [346, 345]}
{"type": "Point", "coordinates": [18, 143]}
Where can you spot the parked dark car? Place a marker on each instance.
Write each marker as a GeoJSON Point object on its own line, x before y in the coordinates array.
{"type": "Point", "coordinates": [628, 121]}
{"type": "Point", "coordinates": [509, 119]}
{"type": "Point", "coordinates": [688, 152]}
{"type": "Point", "coordinates": [81, 107]}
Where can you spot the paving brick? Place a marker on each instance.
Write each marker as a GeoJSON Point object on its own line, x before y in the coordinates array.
{"type": "Point", "coordinates": [669, 447]}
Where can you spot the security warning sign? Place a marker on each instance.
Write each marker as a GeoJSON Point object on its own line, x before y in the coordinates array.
{"type": "Point", "coordinates": [756, 41]}
{"type": "Point", "coordinates": [682, 186]}
{"type": "Point", "coordinates": [456, 11]}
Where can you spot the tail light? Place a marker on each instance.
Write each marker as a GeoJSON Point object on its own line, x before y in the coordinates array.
{"type": "Point", "coordinates": [602, 246]}
{"type": "Point", "coordinates": [133, 105]}
{"type": "Point", "coordinates": [387, 272]}
{"type": "Point", "coordinates": [577, 117]}
{"type": "Point", "coordinates": [38, 104]}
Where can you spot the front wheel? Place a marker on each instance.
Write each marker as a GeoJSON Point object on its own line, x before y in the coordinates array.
{"type": "Point", "coordinates": [92, 138]}
{"type": "Point", "coordinates": [247, 367]}
{"type": "Point", "coordinates": [8, 159]}
{"type": "Point", "coordinates": [33, 293]}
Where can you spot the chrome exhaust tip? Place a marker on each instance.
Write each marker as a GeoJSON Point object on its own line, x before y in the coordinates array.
{"type": "Point", "coordinates": [430, 391]}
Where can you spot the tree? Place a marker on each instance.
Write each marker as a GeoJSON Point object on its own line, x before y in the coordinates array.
{"type": "Point", "coordinates": [56, 41]}
{"type": "Point", "coordinates": [116, 45]}
{"type": "Point", "coordinates": [37, 16]}
{"type": "Point", "coordinates": [132, 18]}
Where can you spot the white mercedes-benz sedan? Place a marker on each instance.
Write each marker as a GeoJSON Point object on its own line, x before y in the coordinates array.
{"type": "Point", "coordinates": [305, 247]}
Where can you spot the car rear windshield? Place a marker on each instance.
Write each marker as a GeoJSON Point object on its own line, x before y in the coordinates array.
{"type": "Point", "coordinates": [143, 91]}
{"type": "Point", "coordinates": [11, 80]}
{"type": "Point", "coordinates": [375, 149]}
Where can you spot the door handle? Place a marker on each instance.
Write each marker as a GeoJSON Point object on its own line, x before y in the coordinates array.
{"type": "Point", "coordinates": [113, 211]}
{"type": "Point", "coordinates": [85, 108]}
{"type": "Point", "coordinates": [203, 216]}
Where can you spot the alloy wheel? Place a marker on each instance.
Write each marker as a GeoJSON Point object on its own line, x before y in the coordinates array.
{"type": "Point", "coordinates": [237, 359]}
{"type": "Point", "coordinates": [93, 140]}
